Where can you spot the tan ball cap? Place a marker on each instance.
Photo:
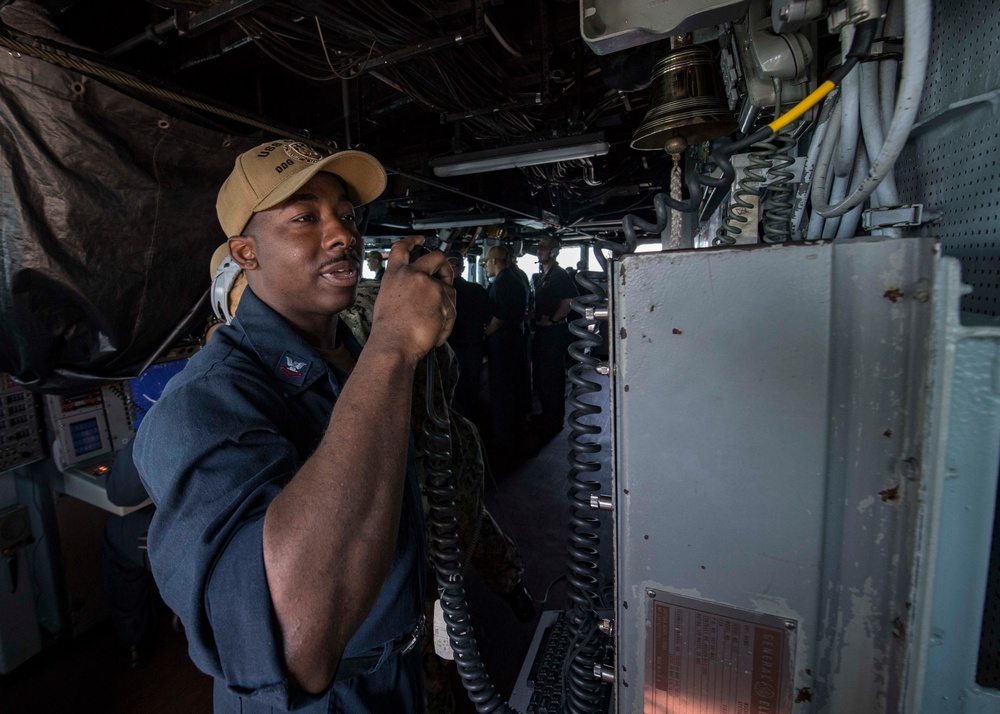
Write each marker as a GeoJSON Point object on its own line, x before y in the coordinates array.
{"type": "Point", "coordinates": [268, 174]}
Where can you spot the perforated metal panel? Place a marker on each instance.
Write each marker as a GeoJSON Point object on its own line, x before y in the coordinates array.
{"type": "Point", "coordinates": [954, 169]}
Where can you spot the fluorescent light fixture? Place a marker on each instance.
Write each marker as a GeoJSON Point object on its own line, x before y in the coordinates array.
{"type": "Point", "coordinates": [457, 221]}
{"type": "Point", "coordinates": [510, 157]}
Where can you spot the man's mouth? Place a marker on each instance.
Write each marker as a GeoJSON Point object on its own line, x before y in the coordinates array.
{"type": "Point", "coordinates": [342, 272]}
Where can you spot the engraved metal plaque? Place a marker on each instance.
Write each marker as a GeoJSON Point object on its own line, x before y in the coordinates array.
{"type": "Point", "coordinates": [703, 657]}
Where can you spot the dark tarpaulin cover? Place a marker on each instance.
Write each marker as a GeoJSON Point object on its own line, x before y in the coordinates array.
{"type": "Point", "coordinates": [108, 224]}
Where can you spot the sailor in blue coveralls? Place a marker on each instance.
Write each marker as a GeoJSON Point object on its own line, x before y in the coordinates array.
{"type": "Point", "coordinates": [288, 528]}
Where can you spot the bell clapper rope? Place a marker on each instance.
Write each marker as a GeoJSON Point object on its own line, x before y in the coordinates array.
{"type": "Point", "coordinates": [674, 147]}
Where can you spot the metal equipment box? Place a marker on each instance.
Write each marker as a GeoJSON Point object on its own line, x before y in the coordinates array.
{"type": "Point", "coordinates": [780, 474]}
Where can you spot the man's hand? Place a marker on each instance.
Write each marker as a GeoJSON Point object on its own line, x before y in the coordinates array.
{"type": "Point", "coordinates": [415, 308]}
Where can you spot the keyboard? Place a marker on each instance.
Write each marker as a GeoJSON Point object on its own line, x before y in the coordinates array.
{"type": "Point", "coordinates": [539, 687]}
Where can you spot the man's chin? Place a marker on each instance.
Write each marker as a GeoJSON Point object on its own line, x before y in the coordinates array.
{"type": "Point", "coordinates": [340, 298]}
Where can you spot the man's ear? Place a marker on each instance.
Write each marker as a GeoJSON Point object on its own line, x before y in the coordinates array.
{"type": "Point", "coordinates": [242, 249]}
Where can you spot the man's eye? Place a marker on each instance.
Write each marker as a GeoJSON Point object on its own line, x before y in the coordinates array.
{"type": "Point", "coordinates": [307, 218]}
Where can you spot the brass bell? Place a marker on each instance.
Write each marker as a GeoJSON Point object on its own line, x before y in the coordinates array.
{"type": "Point", "coordinates": [688, 102]}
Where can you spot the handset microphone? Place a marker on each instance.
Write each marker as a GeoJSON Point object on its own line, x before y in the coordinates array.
{"type": "Point", "coordinates": [419, 251]}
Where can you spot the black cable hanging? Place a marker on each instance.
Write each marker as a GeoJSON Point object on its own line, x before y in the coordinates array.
{"type": "Point", "coordinates": [447, 558]}
{"type": "Point", "coordinates": [582, 692]}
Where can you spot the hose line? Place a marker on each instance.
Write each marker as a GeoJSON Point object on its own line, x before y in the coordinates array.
{"type": "Point", "coordinates": [582, 693]}
{"type": "Point", "coordinates": [917, 22]}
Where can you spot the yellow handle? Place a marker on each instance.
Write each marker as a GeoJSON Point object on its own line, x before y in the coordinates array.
{"type": "Point", "coordinates": [802, 107]}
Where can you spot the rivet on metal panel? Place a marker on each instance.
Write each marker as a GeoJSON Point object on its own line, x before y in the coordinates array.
{"type": "Point", "coordinates": [651, 593]}
{"type": "Point", "coordinates": [603, 368]}
{"type": "Point", "coordinates": [910, 469]}
{"type": "Point", "coordinates": [790, 624]}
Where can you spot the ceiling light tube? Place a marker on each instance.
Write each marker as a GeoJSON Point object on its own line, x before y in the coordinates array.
{"type": "Point", "coordinates": [510, 157]}
{"type": "Point", "coordinates": [457, 221]}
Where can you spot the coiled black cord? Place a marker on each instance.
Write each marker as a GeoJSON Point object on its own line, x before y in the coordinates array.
{"type": "Point", "coordinates": [582, 693]}
{"type": "Point", "coordinates": [447, 557]}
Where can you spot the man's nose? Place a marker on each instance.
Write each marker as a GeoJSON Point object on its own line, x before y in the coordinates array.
{"type": "Point", "coordinates": [338, 233]}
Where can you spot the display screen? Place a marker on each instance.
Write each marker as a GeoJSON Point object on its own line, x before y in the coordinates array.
{"type": "Point", "coordinates": [86, 436]}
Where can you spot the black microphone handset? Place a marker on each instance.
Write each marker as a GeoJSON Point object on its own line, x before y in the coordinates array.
{"type": "Point", "coordinates": [419, 251]}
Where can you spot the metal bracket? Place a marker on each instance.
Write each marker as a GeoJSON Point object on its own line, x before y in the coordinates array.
{"type": "Point", "coordinates": [862, 10]}
{"type": "Point", "coordinates": [896, 217]}
{"type": "Point", "coordinates": [885, 48]}
{"type": "Point", "coordinates": [846, 15]}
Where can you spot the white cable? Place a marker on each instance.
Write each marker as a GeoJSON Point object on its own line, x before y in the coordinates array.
{"type": "Point", "coordinates": [814, 231]}
{"type": "Point", "coordinates": [496, 33]}
{"type": "Point", "coordinates": [871, 127]}
{"type": "Point", "coordinates": [840, 186]}
{"type": "Point", "coordinates": [915, 57]}
{"type": "Point", "coordinates": [850, 110]}
{"type": "Point", "coordinates": [887, 76]}
{"type": "Point", "coordinates": [819, 133]}
{"type": "Point", "coordinates": [820, 193]}
{"type": "Point", "coordinates": [848, 227]}
{"type": "Point", "coordinates": [889, 67]}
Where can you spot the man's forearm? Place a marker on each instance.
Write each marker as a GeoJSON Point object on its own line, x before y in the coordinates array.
{"type": "Point", "coordinates": [329, 536]}
{"type": "Point", "coordinates": [495, 324]}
